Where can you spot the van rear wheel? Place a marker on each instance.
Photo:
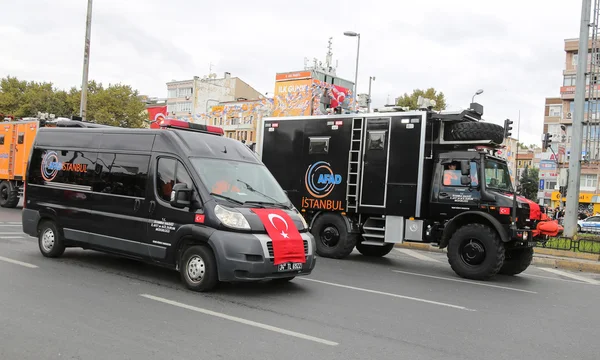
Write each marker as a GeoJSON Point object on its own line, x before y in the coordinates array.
{"type": "Point", "coordinates": [50, 240]}
{"type": "Point", "coordinates": [9, 194]}
{"type": "Point", "coordinates": [332, 237]}
{"type": "Point", "coordinates": [198, 268]}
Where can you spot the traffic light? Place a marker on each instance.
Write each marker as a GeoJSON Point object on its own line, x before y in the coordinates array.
{"type": "Point", "coordinates": [507, 128]}
{"type": "Point", "coordinates": [546, 140]}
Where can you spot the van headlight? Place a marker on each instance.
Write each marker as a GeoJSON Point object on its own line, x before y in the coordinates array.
{"type": "Point", "coordinates": [304, 223]}
{"type": "Point", "coordinates": [231, 218]}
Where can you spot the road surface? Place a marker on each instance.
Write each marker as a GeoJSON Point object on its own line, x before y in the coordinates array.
{"type": "Point", "coordinates": [409, 305]}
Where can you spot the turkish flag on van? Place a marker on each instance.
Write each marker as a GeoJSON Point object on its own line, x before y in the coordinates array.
{"type": "Point", "coordinates": [287, 241]}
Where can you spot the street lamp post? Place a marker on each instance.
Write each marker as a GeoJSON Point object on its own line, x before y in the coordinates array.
{"type": "Point", "coordinates": [353, 34]}
{"type": "Point", "coordinates": [371, 78]}
{"type": "Point", "coordinates": [478, 92]}
{"type": "Point", "coordinates": [86, 62]}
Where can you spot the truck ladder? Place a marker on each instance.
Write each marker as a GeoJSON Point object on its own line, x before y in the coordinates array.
{"type": "Point", "coordinates": [12, 152]}
{"type": "Point", "coordinates": [354, 159]}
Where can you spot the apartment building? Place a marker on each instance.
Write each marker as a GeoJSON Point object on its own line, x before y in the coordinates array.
{"type": "Point", "coordinates": [558, 119]}
{"type": "Point", "coordinates": [191, 99]}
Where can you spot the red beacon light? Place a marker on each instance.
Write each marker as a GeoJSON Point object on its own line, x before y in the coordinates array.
{"type": "Point", "coordinates": [184, 125]}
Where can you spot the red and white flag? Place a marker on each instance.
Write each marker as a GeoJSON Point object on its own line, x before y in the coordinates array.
{"type": "Point", "coordinates": [287, 241]}
{"type": "Point", "coordinates": [156, 114]}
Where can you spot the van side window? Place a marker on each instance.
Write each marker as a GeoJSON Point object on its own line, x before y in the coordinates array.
{"type": "Point", "coordinates": [170, 172]}
{"type": "Point", "coordinates": [122, 174]}
{"type": "Point", "coordinates": [63, 167]}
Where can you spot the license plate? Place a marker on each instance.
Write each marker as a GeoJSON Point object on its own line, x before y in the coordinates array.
{"type": "Point", "coordinates": [531, 243]}
{"type": "Point", "coordinates": [289, 267]}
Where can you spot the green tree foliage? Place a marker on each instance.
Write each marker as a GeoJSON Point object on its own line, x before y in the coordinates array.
{"type": "Point", "coordinates": [431, 93]}
{"type": "Point", "coordinates": [530, 183]}
{"type": "Point", "coordinates": [116, 105]}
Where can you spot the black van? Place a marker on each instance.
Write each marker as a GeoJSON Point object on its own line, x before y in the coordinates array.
{"type": "Point", "coordinates": [182, 196]}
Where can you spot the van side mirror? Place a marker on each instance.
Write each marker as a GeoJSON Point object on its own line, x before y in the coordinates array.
{"type": "Point", "coordinates": [465, 180]}
{"type": "Point", "coordinates": [465, 167]}
{"type": "Point", "coordinates": [181, 196]}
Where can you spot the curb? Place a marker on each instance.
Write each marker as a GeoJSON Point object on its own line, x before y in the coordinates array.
{"type": "Point", "coordinates": [543, 257]}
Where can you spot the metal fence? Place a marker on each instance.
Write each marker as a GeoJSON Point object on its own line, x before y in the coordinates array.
{"type": "Point", "coordinates": [589, 245]}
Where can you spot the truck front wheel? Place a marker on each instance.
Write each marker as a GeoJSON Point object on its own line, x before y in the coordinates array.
{"type": "Point", "coordinates": [332, 236]}
{"type": "Point", "coordinates": [476, 252]}
{"type": "Point", "coordinates": [517, 261]}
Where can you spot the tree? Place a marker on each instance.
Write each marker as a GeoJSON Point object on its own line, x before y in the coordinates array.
{"type": "Point", "coordinates": [116, 105]}
{"type": "Point", "coordinates": [411, 100]}
{"type": "Point", "coordinates": [529, 183]}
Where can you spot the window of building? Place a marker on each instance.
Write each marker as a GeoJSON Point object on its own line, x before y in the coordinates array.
{"type": "Point", "coordinates": [555, 110]}
{"type": "Point", "coordinates": [550, 185]}
{"type": "Point", "coordinates": [183, 92]}
{"type": "Point", "coordinates": [122, 174]}
{"type": "Point", "coordinates": [589, 180]}
{"type": "Point", "coordinates": [185, 106]}
{"type": "Point", "coordinates": [170, 172]}
{"type": "Point", "coordinates": [575, 59]}
{"type": "Point", "coordinates": [172, 93]}
{"type": "Point", "coordinates": [569, 80]}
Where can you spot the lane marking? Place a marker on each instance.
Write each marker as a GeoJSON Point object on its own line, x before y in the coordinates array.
{"type": "Point", "coordinates": [554, 278]}
{"type": "Point", "coordinates": [466, 281]}
{"type": "Point", "coordinates": [389, 294]}
{"type": "Point", "coordinates": [7, 225]}
{"type": "Point", "coordinates": [11, 237]}
{"type": "Point", "coordinates": [12, 233]}
{"type": "Point", "coordinates": [569, 275]}
{"type": "Point", "coordinates": [17, 262]}
{"type": "Point", "coordinates": [415, 254]}
{"type": "Point", "coordinates": [240, 320]}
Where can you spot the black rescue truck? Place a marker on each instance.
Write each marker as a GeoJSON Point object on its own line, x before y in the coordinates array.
{"type": "Point", "coordinates": [370, 181]}
{"type": "Point", "coordinates": [184, 197]}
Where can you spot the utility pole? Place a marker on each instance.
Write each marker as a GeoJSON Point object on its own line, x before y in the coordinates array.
{"type": "Point", "coordinates": [86, 62]}
{"type": "Point", "coordinates": [570, 222]}
{"type": "Point", "coordinates": [371, 78]}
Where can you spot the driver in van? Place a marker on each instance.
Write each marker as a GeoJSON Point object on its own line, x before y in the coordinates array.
{"type": "Point", "coordinates": [226, 182]}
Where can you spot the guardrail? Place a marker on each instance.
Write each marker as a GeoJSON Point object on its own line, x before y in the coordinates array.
{"type": "Point", "coordinates": [585, 243]}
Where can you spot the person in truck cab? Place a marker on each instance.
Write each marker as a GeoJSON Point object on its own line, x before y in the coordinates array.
{"type": "Point", "coordinates": [451, 175]}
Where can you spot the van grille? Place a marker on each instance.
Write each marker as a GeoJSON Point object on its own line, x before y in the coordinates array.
{"type": "Point", "coordinates": [270, 247]}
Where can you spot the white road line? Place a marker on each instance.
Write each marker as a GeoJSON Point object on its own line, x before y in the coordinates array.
{"type": "Point", "coordinates": [8, 225]}
{"type": "Point", "coordinates": [553, 278]}
{"type": "Point", "coordinates": [569, 275]}
{"type": "Point", "coordinates": [11, 237]}
{"type": "Point", "coordinates": [12, 261]}
{"type": "Point", "coordinates": [415, 254]}
{"type": "Point", "coordinates": [12, 233]}
{"type": "Point", "coordinates": [465, 281]}
{"type": "Point", "coordinates": [390, 294]}
{"type": "Point", "coordinates": [240, 320]}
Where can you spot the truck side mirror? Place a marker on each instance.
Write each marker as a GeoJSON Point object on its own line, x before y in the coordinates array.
{"type": "Point", "coordinates": [181, 196]}
{"type": "Point", "coordinates": [465, 167]}
{"type": "Point", "coordinates": [465, 180]}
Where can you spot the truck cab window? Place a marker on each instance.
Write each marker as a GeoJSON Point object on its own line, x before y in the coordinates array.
{"type": "Point", "coordinates": [318, 145]}
{"type": "Point", "coordinates": [376, 140]}
{"type": "Point", "coordinates": [1, 139]}
{"type": "Point", "coordinates": [452, 174]}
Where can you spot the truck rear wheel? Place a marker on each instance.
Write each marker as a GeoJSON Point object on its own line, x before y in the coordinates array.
{"type": "Point", "coordinates": [332, 237]}
{"type": "Point", "coordinates": [478, 131]}
{"type": "Point", "coordinates": [9, 194]}
{"type": "Point", "coordinates": [374, 250]}
{"type": "Point", "coordinates": [517, 261]}
{"type": "Point", "coordinates": [476, 252]}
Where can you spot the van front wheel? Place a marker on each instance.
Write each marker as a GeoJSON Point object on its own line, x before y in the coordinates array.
{"type": "Point", "coordinates": [198, 268]}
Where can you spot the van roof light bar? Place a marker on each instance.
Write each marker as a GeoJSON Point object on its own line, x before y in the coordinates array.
{"type": "Point", "coordinates": [184, 125]}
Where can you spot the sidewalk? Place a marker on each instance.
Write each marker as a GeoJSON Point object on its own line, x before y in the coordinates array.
{"type": "Point", "coordinates": [568, 260]}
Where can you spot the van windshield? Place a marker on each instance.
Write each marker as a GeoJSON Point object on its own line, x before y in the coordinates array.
{"type": "Point", "coordinates": [240, 181]}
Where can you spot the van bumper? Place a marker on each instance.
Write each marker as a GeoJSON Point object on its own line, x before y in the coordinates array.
{"type": "Point", "coordinates": [246, 257]}
{"type": "Point", "coordinates": [30, 220]}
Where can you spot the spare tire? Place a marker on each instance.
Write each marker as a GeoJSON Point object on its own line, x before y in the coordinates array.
{"type": "Point", "coordinates": [477, 131]}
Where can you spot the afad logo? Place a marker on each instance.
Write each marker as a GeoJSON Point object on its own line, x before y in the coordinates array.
{"type": "Point", "coordinates": [320, 179]}
{"type": "Point", "coordinates": [51, 166]}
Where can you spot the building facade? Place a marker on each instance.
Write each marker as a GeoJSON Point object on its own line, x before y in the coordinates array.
{"type": "Point", "coordinates": [190, 99]}
{"type": "Point", "coordinates": [558, 119]}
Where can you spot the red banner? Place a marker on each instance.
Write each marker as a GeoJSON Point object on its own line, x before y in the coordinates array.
{"type": "Point", "coordinates": [287, 241]}
{"type": "Point", "coordinates": [156, 115]}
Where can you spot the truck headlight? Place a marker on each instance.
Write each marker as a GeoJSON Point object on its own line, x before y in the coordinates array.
{"type": "Point", "coordinates": [231, 218]}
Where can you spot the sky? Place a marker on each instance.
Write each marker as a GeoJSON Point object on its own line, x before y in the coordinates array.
{"type": "Point", "coordinates": [512, 49]}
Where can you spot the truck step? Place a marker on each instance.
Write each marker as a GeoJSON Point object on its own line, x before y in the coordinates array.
{"type": "Point", "coordinates": [374, 228]}
{"type": "Point", "coordinates": [374, 243]}
{"type": "Point", "coordinates": [373, 236]}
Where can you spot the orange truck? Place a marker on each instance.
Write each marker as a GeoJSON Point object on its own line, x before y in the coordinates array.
{"type": "Point", "coordinates": [16, 140]}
